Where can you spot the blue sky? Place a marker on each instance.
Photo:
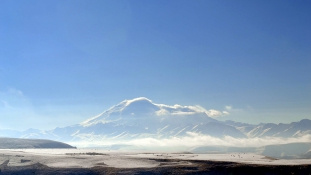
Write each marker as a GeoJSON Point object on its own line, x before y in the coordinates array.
{"type": "Point", "coordinates": [62, 62]}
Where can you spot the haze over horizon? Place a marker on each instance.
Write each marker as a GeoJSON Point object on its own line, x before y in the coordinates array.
{"type": "Point", "coordinates": [63, 62]}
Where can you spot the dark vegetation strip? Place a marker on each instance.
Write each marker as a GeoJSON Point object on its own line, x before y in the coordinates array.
{"type": "Point", "coordinates": [195, 167]}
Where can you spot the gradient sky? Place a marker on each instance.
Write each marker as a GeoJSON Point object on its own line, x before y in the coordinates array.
{"type": "Point", "coordinates": [62, 62]}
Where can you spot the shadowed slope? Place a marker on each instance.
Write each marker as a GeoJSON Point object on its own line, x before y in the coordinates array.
{"type": "Point", "coordinates": [15, 143]}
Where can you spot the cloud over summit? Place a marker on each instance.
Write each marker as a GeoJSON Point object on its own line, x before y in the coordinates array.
{"type": "Point", "coordinates": [143, 107]}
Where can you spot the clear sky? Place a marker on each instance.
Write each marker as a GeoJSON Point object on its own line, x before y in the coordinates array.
{"type": "Point", "coordinates": [62, 62]}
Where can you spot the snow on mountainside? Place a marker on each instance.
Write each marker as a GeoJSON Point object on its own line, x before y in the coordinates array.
{"type": "Point", "coordinates": [141, 118]}
{"type": "Point", "coordinates": [294, 129]}
{"type": "Point", "coordinates": [141, 109]}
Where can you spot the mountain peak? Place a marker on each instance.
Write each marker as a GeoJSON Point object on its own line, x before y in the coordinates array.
{"type": "Point", "coordinates": [142, 108]}
{"type": "Point", "coordinates": [139, 105]}
{"type": "Point", "coordinates": [140, 100]}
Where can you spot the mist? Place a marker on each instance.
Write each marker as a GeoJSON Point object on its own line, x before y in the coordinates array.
{"type": "Point", "coordinates": [192, 140]}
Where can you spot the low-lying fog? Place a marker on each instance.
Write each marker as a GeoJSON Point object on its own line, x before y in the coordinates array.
{"type": "Point", "coordinates": [193, 140]}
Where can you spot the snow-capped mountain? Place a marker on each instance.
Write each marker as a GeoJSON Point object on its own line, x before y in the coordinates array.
{"type": "Point", "coordinates": [294, 129]}
{"type": "Point", "coordinates": [142, 111]}
{"type": "Point", "coordinates": [141, 118]}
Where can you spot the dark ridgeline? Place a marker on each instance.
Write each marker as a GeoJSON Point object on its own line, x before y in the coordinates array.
{"type": "Point", "coordinates": [17, 143]}
{"type": "Point", "coordinates": [196, 167]}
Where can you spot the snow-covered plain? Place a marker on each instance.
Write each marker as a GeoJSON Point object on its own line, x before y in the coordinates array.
{"type": "Point", "coordinates": [233, 157]}
{"type": "Point", "coordinates": [87, 158]}
{"type": "Point", "coordinates": [72, 158]}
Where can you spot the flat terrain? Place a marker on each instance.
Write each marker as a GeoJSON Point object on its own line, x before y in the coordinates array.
{"type": "Point", "coordinates": [92, 161]}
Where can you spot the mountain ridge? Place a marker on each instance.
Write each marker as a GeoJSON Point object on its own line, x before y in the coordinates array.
{"type": "Point", "coordinates": [141, 118]}
{"type": "Point", "coordinates": [19, 143]}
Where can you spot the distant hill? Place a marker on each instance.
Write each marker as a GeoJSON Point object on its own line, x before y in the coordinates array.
{"type": "Point", "coordinates": [15, 143]}
{"type": "Point", "coordinates": [294, 129]}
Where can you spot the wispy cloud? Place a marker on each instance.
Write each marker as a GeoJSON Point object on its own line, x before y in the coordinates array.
{"type": "Point", "coordinates": [166, 110]}
{"type": "Point", "coordinates": [195, 139]}
{"type": "Point", "coordinates": [15, 92]}
{"type": "Point", "coordinates": [188, 110]}
{"type": "Point", "coordinates": [228, 107]}
{"type": "Point", "coordinates": [211, 112]}
{"type": "Point", "coordinates": [4, 104]}
{"type": "Point", "coordinates": [225, 112]}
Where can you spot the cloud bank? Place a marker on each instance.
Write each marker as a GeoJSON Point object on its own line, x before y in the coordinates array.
{"type": "Point", "coordinates": [194, 140]}
{"type": "Point", "coordinates": [179, 109]}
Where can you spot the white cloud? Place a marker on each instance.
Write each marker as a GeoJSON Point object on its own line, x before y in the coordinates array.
{"type": "Point", "coordinates": [231, 109]}
{"type": "Point", "coordinates": [214, 113]}
{"type": "Point", "coordinates": [127, 102]}
{"type": "Point", "coordinates": [187, 110]}
{"type": "Point", "coordinates": [228, 107]}
{"type": "Point", "coordinates": [162, 112]}
{"type": "Point", "coordinates": [193, 109]}
{"type": "Point", "coordinates": [196, 140]}
{"type": "Point", "coordinates": [166, 110]}
{"type": "Point", "coordinates": [183, 113]}
{"type": "Point", "coordinates": [211, 113]}
{"type": "Point", "coordinates": [225, 112]}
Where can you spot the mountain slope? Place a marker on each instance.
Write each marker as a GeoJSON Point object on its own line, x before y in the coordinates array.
{"type": "Point", "coordinates": [141, 118]}
{"type": "Point", "coordinates": [294, 129]}
{"type": "Point", "coordinates": [142, 110]}
{"type": "Point", "coordinates": [16, 143]}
